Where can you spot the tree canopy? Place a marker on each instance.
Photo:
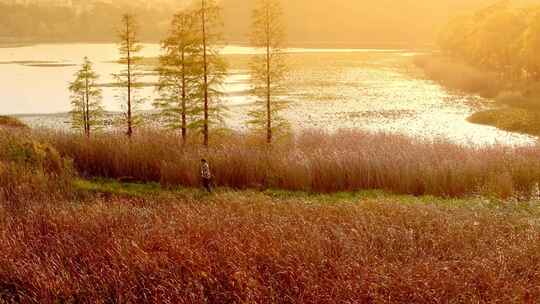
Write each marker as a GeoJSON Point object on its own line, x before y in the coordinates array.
{"type": "Point", "coordinates": [500, 38]}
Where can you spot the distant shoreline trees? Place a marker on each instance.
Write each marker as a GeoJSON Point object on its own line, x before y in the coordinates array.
{"type": "Point", "coordinates": [268, 69]}
{"type": "Point", "coordinates": [500, 39]}
{"type": "Point", "coordinates": [87, 111]}
{"type": "Point", "coordinates": [85, 21]}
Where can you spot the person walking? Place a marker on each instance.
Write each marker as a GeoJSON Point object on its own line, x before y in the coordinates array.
{"type": "Point", "coordinates": [206, 175]}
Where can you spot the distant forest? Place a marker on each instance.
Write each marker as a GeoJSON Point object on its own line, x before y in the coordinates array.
{"type": "Point", "coordinates": [332, 22]}
{"type": "Point", "coordinates": [39, 23]}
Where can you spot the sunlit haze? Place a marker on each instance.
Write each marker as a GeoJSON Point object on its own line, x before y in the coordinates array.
{"type": "Point", "coordinates": [316, 22]}
{"type": "Point", "coordinates": [270, 151]}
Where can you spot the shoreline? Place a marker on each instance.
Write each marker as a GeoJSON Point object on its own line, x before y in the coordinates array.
{"type": "Point", "coordinates": [512, 107]}
{"type": "Point", "coordinates": [305, 44]}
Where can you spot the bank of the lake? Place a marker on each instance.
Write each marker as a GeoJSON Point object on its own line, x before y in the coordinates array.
{"type": "Point", "coordinates": [512, 106]}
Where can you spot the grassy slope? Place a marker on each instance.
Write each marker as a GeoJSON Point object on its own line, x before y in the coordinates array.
{"type": "Point", "coordinates": [270, 247]}
{"type": "Point", "coordinates": [140, 243]}
{"type": "Point", "coordinates": [11, 122]}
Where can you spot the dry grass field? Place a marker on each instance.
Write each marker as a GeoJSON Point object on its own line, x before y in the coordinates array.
{"type": "Point", "coordinates": [70, 240]}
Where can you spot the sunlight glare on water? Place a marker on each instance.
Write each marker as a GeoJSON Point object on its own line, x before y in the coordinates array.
{"type": "Point", "coordinates": [331, 89]}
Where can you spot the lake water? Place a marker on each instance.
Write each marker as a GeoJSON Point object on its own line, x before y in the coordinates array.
{"type": "Point", "coordinates": [378, 90]}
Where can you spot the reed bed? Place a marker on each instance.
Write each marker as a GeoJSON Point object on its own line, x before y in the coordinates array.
{"type": "Point", "coordinates": [65, 246]}
{"type": "Point", "coordinates": [311, 161]}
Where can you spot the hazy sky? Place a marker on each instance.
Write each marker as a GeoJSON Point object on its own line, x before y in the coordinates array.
{"type": "Point", "coordinates": [358, 21]}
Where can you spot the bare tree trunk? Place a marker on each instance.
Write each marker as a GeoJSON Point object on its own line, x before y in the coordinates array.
{"type": "Point", "coordinates": [184, 96]}
{"type": "Point", "coordinates": [84, 116]}
{"type": "Point", "coordinates": [205, 64]}
{"type": "Point", "coordinates": [87, 105]}
{"type": "Point", "coordinates": [268, 81]}
{"type": "Point", "coordinates": [129, 114]}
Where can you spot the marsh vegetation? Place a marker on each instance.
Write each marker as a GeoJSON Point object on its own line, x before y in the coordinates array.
{"type": "Point", "coordinates": [341, 175]}
{"type": "Point", "coordinates": [150, 243]}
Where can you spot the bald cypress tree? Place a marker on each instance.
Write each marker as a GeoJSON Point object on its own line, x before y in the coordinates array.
{"type": "Point", "coordinates": [87, 111]}
{"type": "Point", "coordinates": [268, 69]}
{"type": "Point", "coordinates": [129, 48]}
{"type": "Point", "coordinates": [178, 73]}
{"type": "Point", "coordinates": [213, 66]}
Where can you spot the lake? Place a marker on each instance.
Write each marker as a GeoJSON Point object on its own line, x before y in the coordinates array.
{"type": "Point", "coordinates": [330, 89]}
